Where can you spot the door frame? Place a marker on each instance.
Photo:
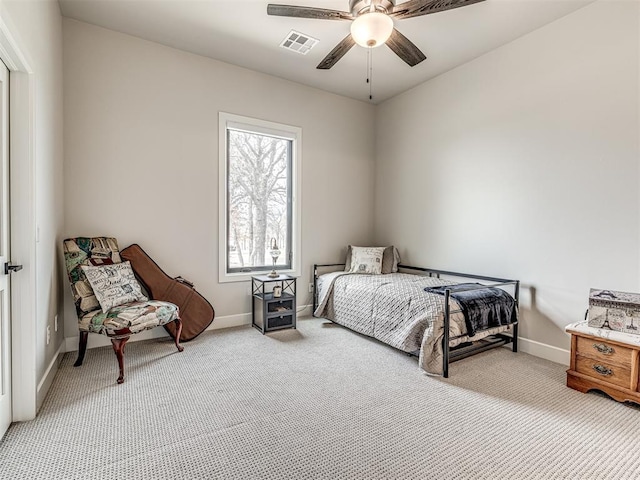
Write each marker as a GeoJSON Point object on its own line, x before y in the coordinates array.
{"type": "Point", "coordinates": [22, 166]}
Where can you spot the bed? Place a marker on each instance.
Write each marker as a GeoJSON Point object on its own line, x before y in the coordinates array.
{"type": "Point", "coordinates": [395, 309]}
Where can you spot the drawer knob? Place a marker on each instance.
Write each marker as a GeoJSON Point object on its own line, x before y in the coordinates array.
{"type": "Point", "coordinates": [602, 370]}
{"type": "Point", "coordinates": [604, 349]}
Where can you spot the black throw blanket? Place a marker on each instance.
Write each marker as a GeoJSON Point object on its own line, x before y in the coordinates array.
{"type": "Point", "coordinates": [483, 307]}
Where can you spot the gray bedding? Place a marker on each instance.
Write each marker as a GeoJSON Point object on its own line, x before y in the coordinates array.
{"type": "Point", "coordinates": [396, 310]}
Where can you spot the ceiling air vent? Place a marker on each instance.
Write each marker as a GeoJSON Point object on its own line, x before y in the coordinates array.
{"type": "Point", "coordinates": [298, 42]}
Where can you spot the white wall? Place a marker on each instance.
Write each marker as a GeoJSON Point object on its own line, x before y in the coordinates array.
{"type": "Point", "coordinates": [141, 156]}
{"type": "Point", "coordinates": [37, 26]}
{"type": "Point", "coordinates": [524, 163]}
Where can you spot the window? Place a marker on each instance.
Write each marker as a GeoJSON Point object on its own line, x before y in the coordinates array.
{"type": "Point", "coordinates": [259, 169]}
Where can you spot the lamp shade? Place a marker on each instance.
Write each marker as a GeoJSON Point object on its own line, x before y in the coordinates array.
{"type": "Point", "coordinates": [371, 29]}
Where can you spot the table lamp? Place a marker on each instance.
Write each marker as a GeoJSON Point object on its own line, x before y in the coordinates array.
{"type": "Point", "coordinates": [275, 253]}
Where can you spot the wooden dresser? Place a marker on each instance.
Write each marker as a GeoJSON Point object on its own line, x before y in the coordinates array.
{"type": "Point", "coordinates": [604, 360]}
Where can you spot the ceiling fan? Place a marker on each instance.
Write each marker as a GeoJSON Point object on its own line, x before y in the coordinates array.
{"type": "Point", "coordinates": [372, 24]}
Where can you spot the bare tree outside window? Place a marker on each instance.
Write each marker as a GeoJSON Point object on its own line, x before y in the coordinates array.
{"type": "Point", "coordinates": [258, 199]}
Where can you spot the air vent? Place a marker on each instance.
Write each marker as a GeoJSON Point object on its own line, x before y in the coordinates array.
{"type": "Point", "coordinates": [299, 42]}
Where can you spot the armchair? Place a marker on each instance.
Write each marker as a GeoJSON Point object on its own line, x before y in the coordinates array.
{"type": "Point", "coordinates": [121, 321]}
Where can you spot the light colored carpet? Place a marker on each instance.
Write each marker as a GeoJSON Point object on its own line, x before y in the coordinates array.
{"type": "Point", "coordinates": [317, 402]}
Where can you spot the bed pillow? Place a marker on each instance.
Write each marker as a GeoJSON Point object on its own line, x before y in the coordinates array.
{"type": "Point", "coordinates": [114, 284]}
{"type": "Point", "coordinates": [390, 260]}
{"type": "Point", "coordinates": [366, 260]}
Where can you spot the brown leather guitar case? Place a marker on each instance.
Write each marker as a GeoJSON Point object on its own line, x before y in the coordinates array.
{"type": "Point", "coordinates": [195, 311]}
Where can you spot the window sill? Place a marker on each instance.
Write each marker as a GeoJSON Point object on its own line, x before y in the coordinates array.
{"type": "Point", "coordinates": [246, 276]}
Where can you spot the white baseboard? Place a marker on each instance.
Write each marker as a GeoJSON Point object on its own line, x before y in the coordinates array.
{"type": "Point", "coordinates": [542, 350]}
{"type": "Point", "coordinates": [226, 321]}
{"type": "Point", "coordinates": [47, 378]}
{"type": "Point", "coordinates": [240, 319]}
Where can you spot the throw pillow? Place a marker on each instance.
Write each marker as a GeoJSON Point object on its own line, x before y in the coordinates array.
{"type": "Point", "coordinates": [390, 260]}
{"type": "Point", "coordinates": [366, 260]}
{"type": "Point", "coordinates": [114, 284]}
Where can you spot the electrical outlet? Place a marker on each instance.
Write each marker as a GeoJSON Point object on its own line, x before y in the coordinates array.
{"type": "Point", "coordinates": [48, 334]}
{"type": "Point", "coordinates": [311, 288]}
{"type": "Point", "coordinates": [55, 323]}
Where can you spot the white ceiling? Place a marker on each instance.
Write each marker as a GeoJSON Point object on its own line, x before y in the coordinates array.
{"type": "Point", "coordinates": [240, 32]}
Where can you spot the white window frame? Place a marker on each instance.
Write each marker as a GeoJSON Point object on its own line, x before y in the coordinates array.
{"type": "Point", "coordinates": [230, 120]}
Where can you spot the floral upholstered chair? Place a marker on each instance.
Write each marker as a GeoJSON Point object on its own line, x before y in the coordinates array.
{"type": "Point", "coordinates": [108, 298]}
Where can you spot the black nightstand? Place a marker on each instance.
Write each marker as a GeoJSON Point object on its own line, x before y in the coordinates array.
{"type": "Point", "coordinates": [269, 313]}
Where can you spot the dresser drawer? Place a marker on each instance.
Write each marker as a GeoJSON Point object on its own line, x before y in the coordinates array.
{"type": "Point", "coordinates": [603, 351]}
{"type": "Point", "coordinates": [607, 372]}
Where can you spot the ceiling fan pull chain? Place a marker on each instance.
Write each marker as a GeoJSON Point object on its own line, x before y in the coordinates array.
{"type": "Point", "coordinates": [368, 62]}
{"type": "Point", "coordinates": [370, 72]}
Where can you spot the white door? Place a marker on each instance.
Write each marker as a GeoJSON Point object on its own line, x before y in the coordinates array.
{"type": "Point", "coordinates": [5, 320]}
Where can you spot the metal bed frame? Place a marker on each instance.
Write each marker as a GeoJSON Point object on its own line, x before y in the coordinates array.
{"type": "Point", "coordinates": [464, 350]}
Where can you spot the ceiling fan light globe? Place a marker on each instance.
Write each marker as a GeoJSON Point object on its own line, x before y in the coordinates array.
{"type": "Point", "coordinates": [371, 30]}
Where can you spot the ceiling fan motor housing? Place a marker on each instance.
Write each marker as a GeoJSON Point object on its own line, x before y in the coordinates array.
{"type": "Point", "coordinates": [356, 7]}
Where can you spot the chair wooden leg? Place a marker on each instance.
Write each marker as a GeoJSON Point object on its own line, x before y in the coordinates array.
{"type": "Point", "coordinates": [118, 348]}
{"type": "Point", "coordinates": [82, 348]}
{"type": "Point", "coordinates": [178, 323]}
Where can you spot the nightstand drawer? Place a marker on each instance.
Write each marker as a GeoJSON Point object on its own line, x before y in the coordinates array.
{"type": "Point", "coordinates": [283, 321]}
{"type": "Point", "coordinates": [280, 307]}
{"type": "Point", "coordinates": [603, 351]}
{"type": "Point", "coordinates": [607, 372]}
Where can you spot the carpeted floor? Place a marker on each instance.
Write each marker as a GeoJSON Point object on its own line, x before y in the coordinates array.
{"type": "Point", "coordinates": [317, 402]}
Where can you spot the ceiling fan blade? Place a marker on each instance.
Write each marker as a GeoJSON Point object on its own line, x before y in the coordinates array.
{"type": "Point", "coordinates": [416, 8]}
{"type": "Point", "coordinates": [405, 49]}
{"type": "Point", "coordinates": [337, 53]}
{"type": "Point", "coordinates": [307, 12]}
